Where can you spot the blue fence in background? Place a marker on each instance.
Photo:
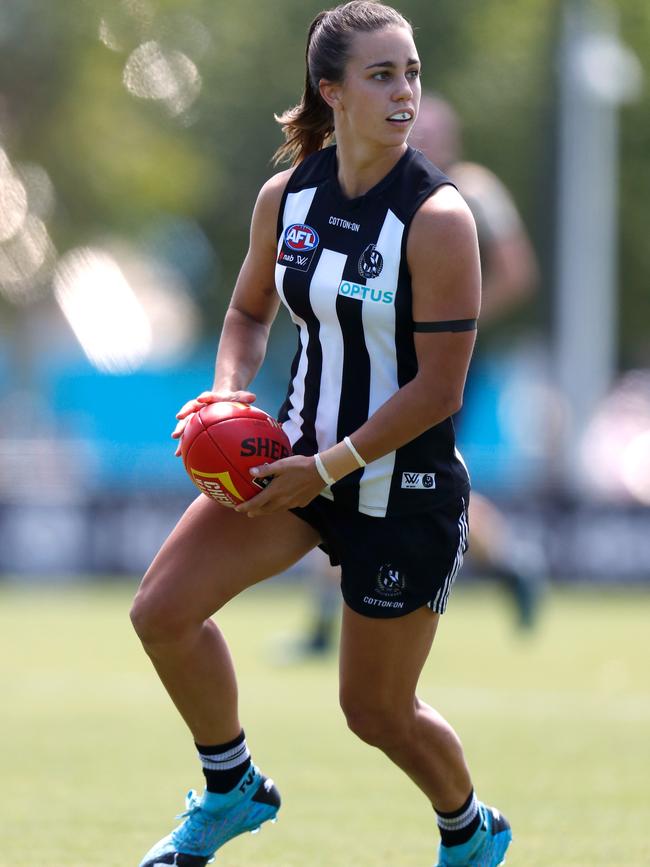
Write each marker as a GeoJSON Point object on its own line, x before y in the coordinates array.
{"type": "Point", "coordinates": [89, 484]}
{"type": "Point", "coordinates": [125, 421]}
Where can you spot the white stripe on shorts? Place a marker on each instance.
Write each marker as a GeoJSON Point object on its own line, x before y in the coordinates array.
{"type": "Point", "coordinates": [439, 602]}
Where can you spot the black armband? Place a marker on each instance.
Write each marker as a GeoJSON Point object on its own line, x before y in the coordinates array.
{"type": "Point", "coordinates": [447, 325]}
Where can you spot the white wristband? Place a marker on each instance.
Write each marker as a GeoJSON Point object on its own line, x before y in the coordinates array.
{"type": "Point", "coordinates": [355, 453]}
{"type": "Point", "coordinates": [322, 472]}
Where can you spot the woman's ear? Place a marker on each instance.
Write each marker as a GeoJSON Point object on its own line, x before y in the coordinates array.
{"type": "Point", "coordinates": [330, 92]}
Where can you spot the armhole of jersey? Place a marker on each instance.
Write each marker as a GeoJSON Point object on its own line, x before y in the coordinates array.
{"type": "Point", "coordinates": [283, 201]}
{"type": "Point", "coordinates": [443, 181]}
{"type": "Point", "coordinates": [295, 183]}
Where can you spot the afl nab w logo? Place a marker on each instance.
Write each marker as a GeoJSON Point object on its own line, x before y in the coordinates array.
{"type": "Point", "coordinates": [301, 237]}
{"type": "Point", "coordinates": [390, 581]}
{"type": "Point", "coordinates": [298, 246]}
{"type": "Point", "coordinates": [371, 262]}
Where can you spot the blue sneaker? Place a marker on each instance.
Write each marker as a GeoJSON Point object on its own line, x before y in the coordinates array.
{"type": "Point", "coordinates": [485, 848]}
{"type": "Point", "coordinates": [214, 819]}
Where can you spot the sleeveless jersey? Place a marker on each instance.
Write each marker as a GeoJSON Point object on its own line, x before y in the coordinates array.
{"type": "Point", "coordinates": [342, 273]}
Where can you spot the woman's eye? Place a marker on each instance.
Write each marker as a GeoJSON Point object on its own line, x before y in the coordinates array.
{"type": "Point", "coordinates": [384, 76]}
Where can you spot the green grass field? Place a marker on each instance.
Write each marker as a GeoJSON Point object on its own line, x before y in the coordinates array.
{"type": "Point", "coordinates": [556, 728]}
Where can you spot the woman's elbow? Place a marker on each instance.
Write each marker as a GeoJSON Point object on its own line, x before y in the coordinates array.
{"type": "Point", "coordinates": [452, 404]}
{"type": "Point", "coordinates": [444, 406]}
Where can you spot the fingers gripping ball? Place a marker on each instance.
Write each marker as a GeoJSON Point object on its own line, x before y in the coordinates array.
{"type": "Point", "coordinates": [223, 441]}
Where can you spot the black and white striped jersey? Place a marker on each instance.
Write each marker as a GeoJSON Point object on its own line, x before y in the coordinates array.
{"type": "Point", "coordinates": [342, 273]}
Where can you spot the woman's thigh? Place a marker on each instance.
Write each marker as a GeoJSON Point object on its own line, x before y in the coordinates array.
{"type": "Point", "coordinates": [214, 553]}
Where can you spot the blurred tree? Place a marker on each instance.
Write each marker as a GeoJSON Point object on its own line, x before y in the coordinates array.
{"type": "Point", "coordinates": [634, 271]}
{"type": "Point", "coordinates": [118, 160]}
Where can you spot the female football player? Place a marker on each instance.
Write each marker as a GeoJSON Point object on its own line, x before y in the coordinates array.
{"type": "Point", "coordinates": [374, 253]}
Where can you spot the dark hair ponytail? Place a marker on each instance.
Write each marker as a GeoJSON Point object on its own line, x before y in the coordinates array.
{"type": "Point", "coordinates": [309, 126]}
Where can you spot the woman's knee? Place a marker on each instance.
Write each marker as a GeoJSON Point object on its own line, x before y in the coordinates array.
{"type": "Point", "coordinates": [158, 620]}
{"type": "Point", "coordinates": [381, 724]}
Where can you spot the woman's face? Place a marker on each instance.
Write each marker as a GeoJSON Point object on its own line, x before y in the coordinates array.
{"type": "Point", "coordinates": [379, 97]}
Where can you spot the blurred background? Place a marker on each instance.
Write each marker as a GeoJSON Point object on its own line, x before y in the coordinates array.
{"type": "Point", "coordinates": [134, 136]}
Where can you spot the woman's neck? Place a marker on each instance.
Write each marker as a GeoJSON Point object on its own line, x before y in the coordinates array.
{"type": "Point", "coordinates": [359, 169]}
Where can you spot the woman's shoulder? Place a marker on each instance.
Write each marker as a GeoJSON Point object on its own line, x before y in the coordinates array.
{"type": "Point", "coordinates": [311, 171]}
{"type": "Point", "coordinates": [443, 219]}
{"type": "Point", "coordinates": [443, 255]}
{"type": "Point", "coordinates": [269, 198]}
{"type": "Point", "coordinates": [273, 189]}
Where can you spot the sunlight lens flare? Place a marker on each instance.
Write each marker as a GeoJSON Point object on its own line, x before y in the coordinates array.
{"type": "Point", "coordinates": [25, 262]}
{"type": "Point", "coordinates": [636, 467]}
{"type": "Point", "coordinates": [103, 310]}
{"type": "Point", "coordinates": [13, 200]}
{"type": "Point", "coordinates": [169, 77]}
{"type": "Point", "coordinates": [41, 195]}
{"type": "Point", "coordinates": [616, 445]}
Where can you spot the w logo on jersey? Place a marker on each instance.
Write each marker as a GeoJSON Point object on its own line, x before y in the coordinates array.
{"type": "Point", "coordinates": [371, 262]}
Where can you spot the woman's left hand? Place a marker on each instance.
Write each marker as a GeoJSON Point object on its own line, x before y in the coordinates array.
{"type": "Point", "coordinates": [296, 482]}
{"type": "Point", "coordinates": [188, 409]}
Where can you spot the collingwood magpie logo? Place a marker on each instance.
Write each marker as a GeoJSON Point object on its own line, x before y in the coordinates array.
{"type": "Point", "coordinates": [371, 262]}
{"type": "Point", "coordinates": [390, 581]}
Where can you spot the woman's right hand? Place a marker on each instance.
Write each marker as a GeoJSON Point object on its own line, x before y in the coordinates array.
{"type": "Point", "coordinates": [206, 397]}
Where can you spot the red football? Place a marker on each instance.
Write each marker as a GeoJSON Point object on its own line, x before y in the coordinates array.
{"type": "Point", "coordinates": [223, 441]}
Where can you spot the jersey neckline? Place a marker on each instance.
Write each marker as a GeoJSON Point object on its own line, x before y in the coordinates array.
{"type": "Point", "coordinates": [378, 188]}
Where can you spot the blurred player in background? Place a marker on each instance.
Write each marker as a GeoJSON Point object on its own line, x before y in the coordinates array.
{"type": "Point", "coordinates": [510, 277]}
{"type": "Point", "coordinates": [375, 255]}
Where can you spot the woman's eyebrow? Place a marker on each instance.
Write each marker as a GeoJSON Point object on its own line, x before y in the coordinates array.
{"type": "Point", "coordinates": [392, 65]}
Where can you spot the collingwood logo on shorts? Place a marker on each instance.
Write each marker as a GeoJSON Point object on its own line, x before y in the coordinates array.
{"type": "Point", "coordinates": [390, 581]}
{"type": "Point", "coordinates": [418, 481]}
{"type": "Point", "coordinates": [371, 262]}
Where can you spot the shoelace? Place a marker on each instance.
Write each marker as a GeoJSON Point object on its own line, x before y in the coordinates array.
{"type": "Point", "coordinates": [200, 822]}
{"type": "Point", "coordinates": [192, 804]}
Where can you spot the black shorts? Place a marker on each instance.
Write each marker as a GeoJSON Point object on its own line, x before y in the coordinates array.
{"type": "Point", "coordinates": [392, 566]}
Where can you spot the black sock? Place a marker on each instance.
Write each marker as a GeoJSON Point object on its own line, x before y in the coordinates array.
{"type": "Point", "coordinates": [224, 764]}
{"type": "Point", "coordinates": [459, 826]}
